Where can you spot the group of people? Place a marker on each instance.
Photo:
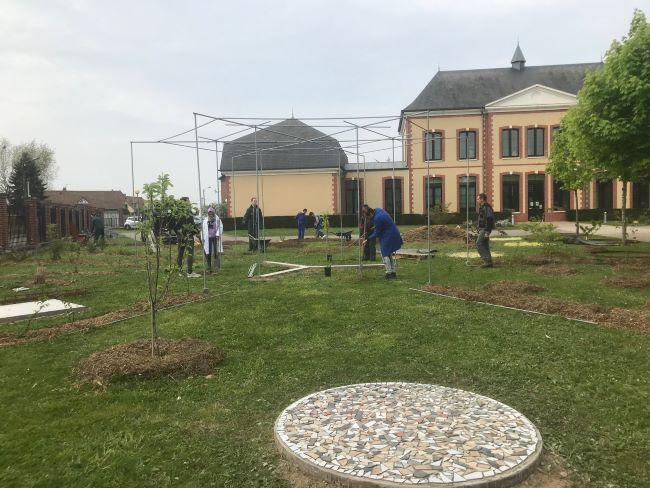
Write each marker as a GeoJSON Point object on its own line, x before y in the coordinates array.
{"type": "Point", "coordinates": [302, 219]}
{"type": "Point", "coordinates": [375, 225]}
{"type": "Point", "coordinates": [211, 234]}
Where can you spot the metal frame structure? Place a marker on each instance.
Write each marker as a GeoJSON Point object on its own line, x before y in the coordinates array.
{"type": "Point", "coordinates": [247, 124]}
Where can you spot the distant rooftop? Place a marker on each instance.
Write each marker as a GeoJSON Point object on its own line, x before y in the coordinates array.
{"type": "Point", "coordinates": [290, 144]}
{"type": "Point", "coordinates": [474, 88]}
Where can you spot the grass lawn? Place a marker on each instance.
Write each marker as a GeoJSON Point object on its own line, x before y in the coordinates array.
{"type": "Point", "coordinates": [585, 387]}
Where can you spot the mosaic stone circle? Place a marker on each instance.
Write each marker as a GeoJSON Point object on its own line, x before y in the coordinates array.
{"type": "Point", "coordinates": [397, 434]}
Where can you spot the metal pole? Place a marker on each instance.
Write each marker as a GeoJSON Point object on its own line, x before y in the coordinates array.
{"type": "Point", "coordinates": [257, 220]}
{"type": "Point", "coordinates": [358, 199]}
{"type": "Point", "coordinates": [135, 232]}
{"type": "Point", "coordinates": [216, 154]}
{"type": "Point", "coordinates": [340, 205]}
{"type": "Point", "coordinates": [428, 202]}
{"type": "Point", "coordinates": [232, 198]}
{"type": "Point", "coordinates": [261, 203]}
{"type": "Point", "coordinates": [198, 172]}
{"type": "Point", "coordinates": [394, 202]}
{"type": "Point", "coordinates": [467, 196]}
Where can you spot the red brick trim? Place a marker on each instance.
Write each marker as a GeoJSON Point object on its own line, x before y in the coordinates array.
{"type": "Point", "coordinates": [409, 161]}
{"type": "Point", "coordinates": [478, 143]}
{"type": "Point", "coordinates": [521, 190]}
{"type": "Point", "coordinates": [442, 145]}
{"type": "Point", "coordinates": [536, 126]}
{"type": "Point", "coordinates": [335, 205]}
{"type": "Point", "coordinates": [520, 137]}
{"type": "Point", "coordinates": [383, 191]}
{"type": "Point", "coordinates": [225, 190]}
{"type": "Point", "coordinates": [488, 166]}
{"type": "Point", "coordinates": [424, 191]}
{"type": "Point", "coordinates": [478, 187]}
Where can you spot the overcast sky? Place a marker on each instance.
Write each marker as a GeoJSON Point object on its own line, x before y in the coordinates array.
{"type": "Point", "coordinates": [88, 77]}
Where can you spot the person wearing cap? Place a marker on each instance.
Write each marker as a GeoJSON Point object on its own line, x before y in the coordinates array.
{"type": "Point", "coordinates": [212, 243]}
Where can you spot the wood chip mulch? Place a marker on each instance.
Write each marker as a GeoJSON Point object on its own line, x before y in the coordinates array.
{"type": "Point", "coordinates": [175, 359]}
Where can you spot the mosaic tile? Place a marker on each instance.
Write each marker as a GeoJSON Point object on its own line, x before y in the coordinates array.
{"type": "Point", "coordinates": [412, 434]}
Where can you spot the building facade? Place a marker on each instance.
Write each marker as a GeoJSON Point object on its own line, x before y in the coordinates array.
{"type": "Point", "coordinates": [490, 131]}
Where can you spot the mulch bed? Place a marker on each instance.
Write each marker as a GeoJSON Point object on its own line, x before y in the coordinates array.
{"type": "Point", "coordinates": [622, 318]}
{"type": "Point", "coordinates": [439, 233]}
{"type": "Point", "coordinates": [176, 359]}
{"type": "Point", "coordinates": [634, 282]}
{"type": "Point", "coordinates": [509, 286]}
{"type": "Point", "coordinates": [48, 333]}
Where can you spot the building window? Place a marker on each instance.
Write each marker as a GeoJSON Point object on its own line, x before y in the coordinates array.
{"type": "Point", "coordinates": [510, 143]}
{"type": "Point", "coordinates": [510, 191]}
{"type": "Point", "coordinates": [605, 194]}
{"type": "Point", "coordinates": [467, 194]}
{"type": "Point", "coordinates": [535, 141]}
{"type": "Point", "coordinates": [433, 146]}
{"type": "Point", "coordinates": [390, 197]}
{"type": "Point", "coordinates": [640, 195]}
{"type": "Point", "coordinates": [433, 192]}
{"type": "Point", "coordinates": [561, 197]}
{"type": "Point", "coordinates": [467, 144]}
{"type": "Point", "coordinates": [351, 195]}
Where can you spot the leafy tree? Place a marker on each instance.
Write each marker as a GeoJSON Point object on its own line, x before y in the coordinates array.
{"type": "Point", "coordinates": [162, 213]}
{"type": "Point", "coordinates": [565, 166]}
{"type": "Point", "coordinates": [42, 154]}
{"type": "Point", "coordinates": [25, 181]}
{"type": "Point", "coordinates": [610, 126]}
{"type": "Point", "coordinates": [5, 164]}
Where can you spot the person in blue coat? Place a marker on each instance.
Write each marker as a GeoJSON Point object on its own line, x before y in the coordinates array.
{"type": "Point", "coordinates": [390, 240]}
{"type": "Point", "coordinates": [301, 218]}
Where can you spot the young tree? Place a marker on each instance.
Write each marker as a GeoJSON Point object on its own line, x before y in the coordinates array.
{"type": "Point", "coordinates": [611, 123]}
{"type": "Point", "coordinates": [161, 213]}
{"type": "Point", "coordinates": [565, 166]}
{"type": "Point", "coordinates": [25, 181]}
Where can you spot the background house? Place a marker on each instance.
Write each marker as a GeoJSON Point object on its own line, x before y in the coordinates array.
{"type": "Point", "coordinates": [112, 204]}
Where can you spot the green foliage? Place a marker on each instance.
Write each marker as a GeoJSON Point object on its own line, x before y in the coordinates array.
{"type": "Point", "coordinates": [74, 250]}
{"type": "Point", "coordinates": [56, 244]}
{"type": "Point", "coordinates": [25, 181]}
{"type": "Point", "coordinates": [609, 129]}
{"type": "Point", "coordinates": [440, 214]}
{"type": "Point", "coordinates": [101, 243]}
{"type": "Point", "coordinates": [91, 247]}
{"type": "Point", "coordinates": [544, 233]}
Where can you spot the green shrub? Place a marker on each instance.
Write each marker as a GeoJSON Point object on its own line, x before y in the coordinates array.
{"type": "Point", "coordinates": [544, 233]}
{"type": "Point", "coordinates": [57, 245]}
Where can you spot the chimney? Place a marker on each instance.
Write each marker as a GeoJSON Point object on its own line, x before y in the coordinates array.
{"type": "Point", "coordinates": [518, 61]}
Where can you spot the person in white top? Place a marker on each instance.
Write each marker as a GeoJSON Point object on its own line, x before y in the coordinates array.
{"type": "Point", "coordinates": [212, 238]}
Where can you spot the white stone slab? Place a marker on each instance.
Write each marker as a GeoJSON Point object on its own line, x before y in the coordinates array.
{"type": "Point", "coordinates": [25, 310]}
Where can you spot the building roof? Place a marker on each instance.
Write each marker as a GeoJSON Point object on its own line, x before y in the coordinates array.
{"type": "Point", "coordinates": [108, 200]}
{"type": "Point", "coordinates": [474, 88]}
{"type": "Point", "coordinates": [518, 56]}
{"type": "Point", "coordinates": [325, 152]}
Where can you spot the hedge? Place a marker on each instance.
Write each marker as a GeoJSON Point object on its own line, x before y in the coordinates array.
{"type": "Point", "coordinates": [589, 214]}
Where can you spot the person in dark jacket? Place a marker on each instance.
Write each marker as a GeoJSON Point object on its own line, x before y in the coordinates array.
{"type": "Point", "coordinates": [185, 230]}
{"type": "Point", "coordinates": [97, 227]}
{"type": "Point", "coordinates": [485, 226]}
{"type": "Point", "coordinates": [253, 220]}
{"type": "Point", "coordinates": [390, 240]}
{"type": "Point", "coordinates": [366, 228]}
{"type": "Point", "coordinates": [301, 218]}
{"type": "Point", "coordinates": [318, 224]}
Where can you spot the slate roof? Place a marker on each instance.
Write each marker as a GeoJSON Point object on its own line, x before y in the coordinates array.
{"type": "Point", "coordinates": [301, 155]}
{"type": "Point", "coordinates": [474, 88]}
{"type": "Point", "coordinates": [107, 200]}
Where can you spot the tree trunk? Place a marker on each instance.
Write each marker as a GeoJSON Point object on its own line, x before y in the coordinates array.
{"type": "Point", "coordinates": [154, 330]}
{"type": "Point", "coordinates": [575, 198]}
{"type": "Point", "coordinates": [623, 217]}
